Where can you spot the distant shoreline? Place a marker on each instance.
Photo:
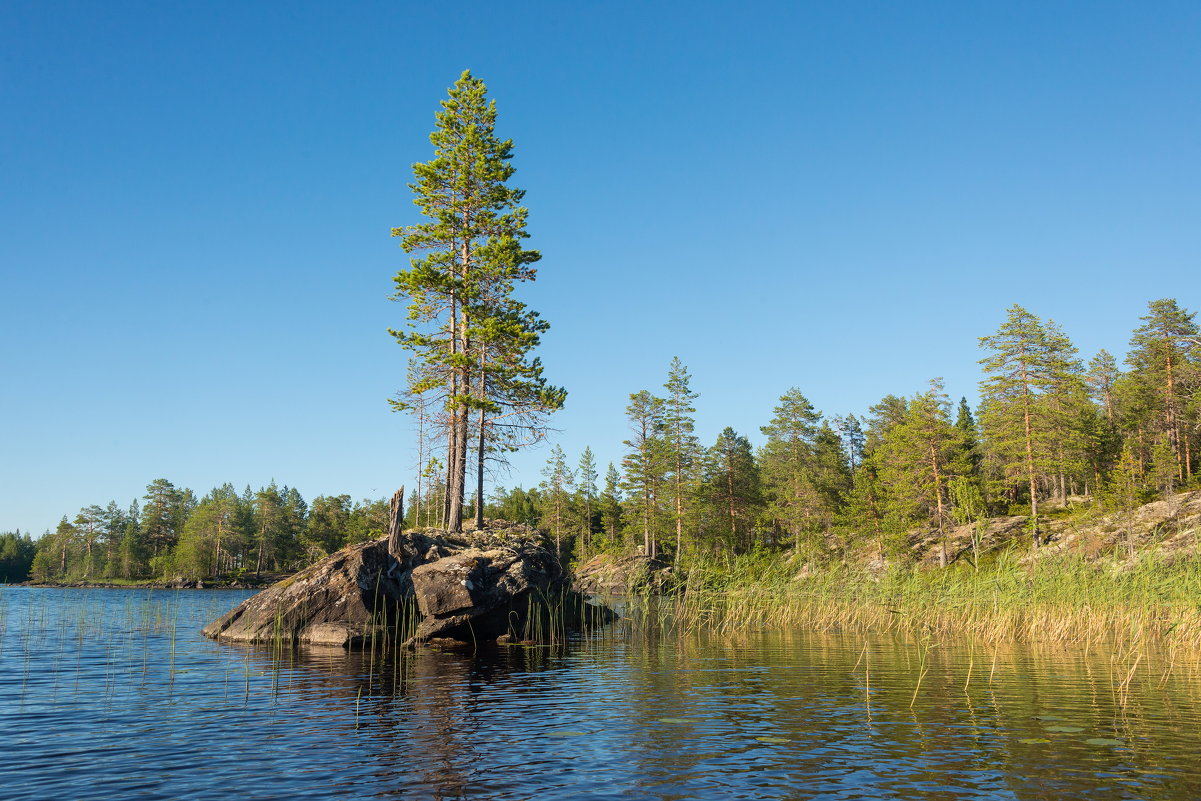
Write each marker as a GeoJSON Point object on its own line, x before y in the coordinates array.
{"type": "Point", "coordinates": [150, 584]}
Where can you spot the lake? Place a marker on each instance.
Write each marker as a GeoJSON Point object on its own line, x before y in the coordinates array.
{"type": "Point", "coordinates": [114, 694]}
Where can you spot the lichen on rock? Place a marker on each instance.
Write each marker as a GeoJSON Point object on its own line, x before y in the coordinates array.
{"type": "Point", "coordinates": [502, 580]}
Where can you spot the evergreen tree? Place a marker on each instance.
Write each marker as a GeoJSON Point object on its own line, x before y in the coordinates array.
{"type": "Point", "coordinates": [645, 469]}
{"type": "Point", "coordinates": [518, 505]}
{"type": "Point", "coordinates": [1102, 373]}
{"type": "Point", "coordinates": [472, 339]}
{"type": "Point", "coordinates": [328, 524]}
{"type": "Point", "coordinates": [1019, 369]}
{"type": "Point", "coordinates": [16, 556]}
{"type": "Point", "coordinates": [204, 547]}
{"type": "Point", "coordinates": [733, 489]}
{"type": "Point", "coordinates": [557, 488]}
{"type": "Point", "coordinates": [787, 465]}
{"type": "Point", "coordinates": [1165, 357]}
{"type": "Point", "coordinates": [271, 528]}
{"type": "Point", "coordinates": [1068, 408]}
{"type": "Point", "coordinates": [114, 523]}
{"type": "Point", "coordinates": [89, 524]}
{"type": "Point", "coordinates": [681, 446]}
{"type": "Point", "coordinates": [368, 520]}
{"type": "Point", "coordinates": [162, 516]}
{"type": "Point", "coordinates": [1124, 491]}
{"type": "Point", "coordinates": [610, 506]}
{"type": "Point", "coordinates": [882, 416]}
{"type": "Point", "coordinates": [587, 490]}
{"type": "Point", "coordinates": [915, 460]}
{"type": "Point", "coordinates": [853, 439]}
{"type": "Point", "coordinates": [969, 457]}
{"type": "Point", "coordinates": [134, 553]}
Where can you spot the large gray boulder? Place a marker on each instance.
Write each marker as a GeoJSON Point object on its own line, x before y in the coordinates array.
{"type": "Point", "coordinates": [342, 600]}
{"type": "Point", "coordinates": [500, 581]}
{"type": "Point", "coordinates": [480, 594]}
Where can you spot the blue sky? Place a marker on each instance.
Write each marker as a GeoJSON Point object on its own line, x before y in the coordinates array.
{"type": "Point", "coordinates": [196, 201]}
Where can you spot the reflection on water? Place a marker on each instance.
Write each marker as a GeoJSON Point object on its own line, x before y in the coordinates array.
{"type": "Point", "coordinates": [113, 693]}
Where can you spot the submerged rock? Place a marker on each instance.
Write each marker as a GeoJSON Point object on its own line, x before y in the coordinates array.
{"type": "Point", "coordinates": [502, 580]}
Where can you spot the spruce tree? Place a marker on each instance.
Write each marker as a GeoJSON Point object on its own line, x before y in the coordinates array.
{"type": "Point", "coordinates": [610, 503]}
{"type": "Point", "coordinates": [557, 489]}
{"type": "Point", "coordinates": [587, 490]}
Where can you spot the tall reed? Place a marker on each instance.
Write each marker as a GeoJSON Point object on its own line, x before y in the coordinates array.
{"type": "Point", "coordinates": [1064, 601]}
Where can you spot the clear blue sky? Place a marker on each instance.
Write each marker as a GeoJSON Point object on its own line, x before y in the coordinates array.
{"type": "Point", "coordinates": [196, 199]}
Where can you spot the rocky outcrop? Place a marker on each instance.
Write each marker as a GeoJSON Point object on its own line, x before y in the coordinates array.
{"type": "Point", "coordinates": [342, 600]}
{"type": "Point", "coordinates": [486, 590]}
{"type": "Point", "coordinates": [1170, 528]}
{"type": "Point", "coordinates": [500, 581]}
{"type": "Point", "coordinates": [606, 575]}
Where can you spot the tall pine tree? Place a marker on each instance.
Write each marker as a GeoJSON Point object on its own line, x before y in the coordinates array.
{"type": "Point", "coordinates": [472, 338]}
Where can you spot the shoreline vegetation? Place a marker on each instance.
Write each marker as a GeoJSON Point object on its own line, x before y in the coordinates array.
{"type": "Point", "coordinates": [1128, 581]}
{"type": "Point", "coordinates": [1069, 513]}
{"type": "Point", "coordinates": [1065, 505]}
{"type": "Point", "coordinates": [911, 520]}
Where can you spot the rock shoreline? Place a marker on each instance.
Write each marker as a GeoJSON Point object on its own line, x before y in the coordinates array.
{"type": "Point", "coordinates": [501, 583]}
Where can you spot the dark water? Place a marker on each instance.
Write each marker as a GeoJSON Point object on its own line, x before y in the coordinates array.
{"type": "Point", "coordinates": [114, 694]}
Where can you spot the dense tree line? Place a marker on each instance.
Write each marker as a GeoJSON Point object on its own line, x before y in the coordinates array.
{"type": "Point", "coordinates": [16, 556]}
{"type": "Point", "coordinates": [1049, 429]}
{"type": "Point", "coordinates": [225, 533]}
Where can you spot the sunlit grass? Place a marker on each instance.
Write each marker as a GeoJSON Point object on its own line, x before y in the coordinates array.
{"type": "Point", "coordinates": [1063, 600]}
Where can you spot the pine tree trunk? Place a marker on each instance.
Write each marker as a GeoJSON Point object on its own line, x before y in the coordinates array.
{"type": "Point", "coordinates": [733, 518]}
{"type": "Point", "coordinates": [452, 433]}
{"type": "Point", "coordinates": [942, 535]}
{"type": "Point", "coordinates": [454, 522]}
{"type": "Point", "coordinates": [258, 568]}
{"type": "Point", "coordinates": [1030, 455]}
{"type": "Point", "coordinates": [1170, 416]}
{"type": "Point", "coordinates": [454, 514]}
{"type": "Point", "coordinates": [419, 498]}
{"type": "Point", "coordinates": [217, 555]}
{"type": "Point", "coordinates": [479, 477]}
{"type": "Point", "coordinates": [679, 499]}
{"type": "Point", "coordinates": [480, 450]}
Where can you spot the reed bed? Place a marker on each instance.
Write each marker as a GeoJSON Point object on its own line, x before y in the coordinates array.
{"type": "Point", "coordinates": [1065, 601]}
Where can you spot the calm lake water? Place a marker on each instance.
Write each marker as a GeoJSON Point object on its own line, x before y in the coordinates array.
{"type": "Point", "coordinates": [114, 694]}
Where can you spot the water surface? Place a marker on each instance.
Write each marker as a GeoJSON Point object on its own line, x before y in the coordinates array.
{"type": "Point", "coordinates": [114, 694]}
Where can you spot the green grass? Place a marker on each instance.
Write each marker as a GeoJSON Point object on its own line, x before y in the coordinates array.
{"type": "Point", "coordinates": [1058, 600]}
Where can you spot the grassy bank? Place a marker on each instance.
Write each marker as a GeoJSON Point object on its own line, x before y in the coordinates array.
{"type": "Point", "coordinates": [1065, 600]}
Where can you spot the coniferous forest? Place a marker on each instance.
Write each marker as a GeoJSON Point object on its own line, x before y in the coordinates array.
{"type": "Point", "coordinates": [1052, 429]}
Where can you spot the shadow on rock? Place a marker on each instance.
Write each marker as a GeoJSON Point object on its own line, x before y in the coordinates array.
{"type": "Point", "coordinates": [501, 582]}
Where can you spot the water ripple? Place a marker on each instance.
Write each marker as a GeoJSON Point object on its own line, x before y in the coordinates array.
{"type": "Point", "coordinates": [113, 694]}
